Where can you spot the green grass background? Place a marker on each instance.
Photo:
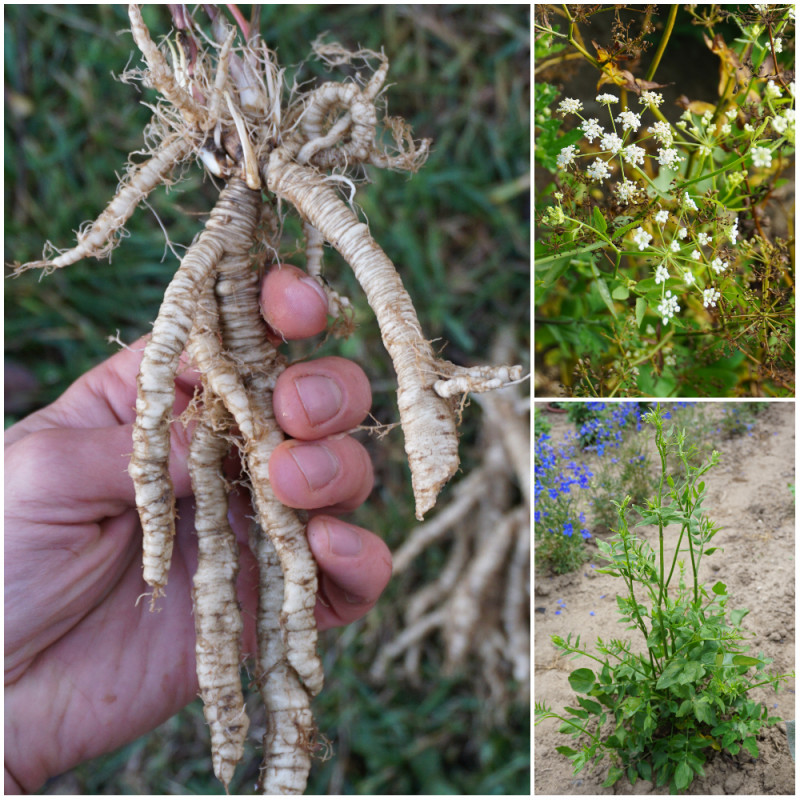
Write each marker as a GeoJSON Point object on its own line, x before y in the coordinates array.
{"type": "Point", "coordinates": [458, 232]}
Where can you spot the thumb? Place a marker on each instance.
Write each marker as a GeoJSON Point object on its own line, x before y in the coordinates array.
{"type": "Point", "coordinates": [81, 474]}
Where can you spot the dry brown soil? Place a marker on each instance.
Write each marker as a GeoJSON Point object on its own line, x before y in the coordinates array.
{"type": "Point", "coordinates": [748, 496]}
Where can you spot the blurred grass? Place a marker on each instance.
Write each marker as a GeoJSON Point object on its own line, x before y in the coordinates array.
{"type": "Point", "coordinates": [458, 232]}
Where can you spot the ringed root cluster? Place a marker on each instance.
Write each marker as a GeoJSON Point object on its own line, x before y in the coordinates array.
{"type": "Point", "coordinates": [221, 104]}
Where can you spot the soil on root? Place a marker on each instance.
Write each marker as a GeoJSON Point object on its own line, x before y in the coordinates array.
{"type": "Point", "coordinates": [747, 494]}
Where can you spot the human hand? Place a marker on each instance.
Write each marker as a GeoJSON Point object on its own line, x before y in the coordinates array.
{"type": "Point", "coordinates": [87, 667]}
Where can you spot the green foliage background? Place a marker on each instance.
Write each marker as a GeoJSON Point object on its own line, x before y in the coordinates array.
{"type": "Point", "coordinates": [458, 233]}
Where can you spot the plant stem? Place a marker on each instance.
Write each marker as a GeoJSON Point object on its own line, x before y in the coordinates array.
{"type": "Point", "coordinates": [570, 253]}
{"type": "Point", "coordinates": [552, 715]}
{"type": "Point", "coordinates": [593, 61]}
{"type": "Point", "coordinates": [662, 451]}
{"type": "Point", "coordinates": [673, 12]}
{"type": "Point", "coordinates": [629, 580]}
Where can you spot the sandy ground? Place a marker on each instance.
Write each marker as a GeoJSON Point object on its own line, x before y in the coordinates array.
{"type": "Point", "coordinates": [748, 496]}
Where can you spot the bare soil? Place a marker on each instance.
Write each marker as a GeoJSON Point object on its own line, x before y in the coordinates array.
{"type": "Point", "coordinates": [748, 496]}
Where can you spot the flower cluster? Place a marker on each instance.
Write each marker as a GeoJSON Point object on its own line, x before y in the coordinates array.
{"type": "Point", "coordinates": [652, 209]}
{"type": "Point", "coordinates": [614, 144]}
{"type": "Point", "coordinates": [681, 248]}
{"type": "Point", "coordinates": [668, 307]}
{"type": "Point", "coordinates": [678, 243]}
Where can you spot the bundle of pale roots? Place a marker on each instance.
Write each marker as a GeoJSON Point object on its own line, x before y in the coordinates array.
{"type": "Point", "coordinates": [221, 104]}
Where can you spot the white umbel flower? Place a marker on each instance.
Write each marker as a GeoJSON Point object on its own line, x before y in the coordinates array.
{"type": "Point", "coordinates": [570, 106]}
{"type": "Point", "coordinates": [762, 157]}
{"type": "Point", "coordinates": [642, 238]}
{"type": "Point", "coordinates": [598, 170]}
{"type": "Point", "coordinates": [668, 157]}
{"type": "Point", "coordinates": [627, 191]}
{"type": "Point", "coordinates": [566, 156]}
{"type": "Point", "coordinates": [611, 142]}
{"type": "Point", "coordinates": [591, 129]}
{"type": "Point", "coordinates": [668, 307]}
{"type": "Point", "coordinates": [629, 120]}
{"type": "Point", "coordinates": [651, 98]}
{"type": "Point", "coordinates": [634, 155]}
{"type": "Point", "coordinates": [662, 132]}
{"type": "Point", "coordinates": [710, 297]}
{"type": "Point", "coordinates": [718, 265]}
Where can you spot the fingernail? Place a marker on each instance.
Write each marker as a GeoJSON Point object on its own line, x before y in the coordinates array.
{"type": "Point", "coordinates": [321, 397]}
{"type": "Point", "coordinates": [307, 280]}
{"type": "Point", "coordinates": [317, 463]}
{"type": "Point", "coordinates": [344, 540]}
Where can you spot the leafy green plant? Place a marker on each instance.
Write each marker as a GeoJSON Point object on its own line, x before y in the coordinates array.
{"type": "Point", "coordinates": [540, 422]}
{"type": "Point", "coordinates": [667, 282]}
{"type": "Point", "coordinates": [687, 693]}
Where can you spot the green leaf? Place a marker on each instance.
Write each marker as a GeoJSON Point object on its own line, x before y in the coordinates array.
{"type": "Point", "coordinates": [554, 272]}
{"type": "Point", "coordinates": [746, 661]}
{"type": "Point", "coordinates": [683, 776]}
{"type": "Point", "coordinates": [631, 706]}
{"type": "Point", "coordinates": [602, 288]}
{"type": "Point", "coordinates": [614, 774]}
{"type": "Point", "coordinates": [641, 307]}
{"type": "Point", "coordinates": [750, 745]}
{"type": "Point", "coordinates": [625, 228]}
{"type": "Point", "coordinates": [621, 293]}
{"type": "Point", "coordinates": [719, 588]}
{"type": "Point", "coordinates": [692, 671]}
{"type": "Point", "coordinates": [566, 751]}
{"type": "Point", "coordinates": [670, 675]}
{"type": "Point", "coordinates": [590, 706]}
{"type": "Point", "coordinates": [686, 707]}
{"type": "Point", "coordinates": [599, 220]}
{"type": "Point", "coordinates": [738, 614]}
{"type": "Point", "coordinates": [645, 770]}
{"type": "Point", "coordinates": [566, 140]}
{"type": "Point", "coordinates": [582, 680]}
{"type": "Point", "coordinates": [702, 711]}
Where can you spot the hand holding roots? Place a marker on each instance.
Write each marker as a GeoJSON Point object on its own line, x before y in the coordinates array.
{"type": "Point", "coordinates": [222, 105]}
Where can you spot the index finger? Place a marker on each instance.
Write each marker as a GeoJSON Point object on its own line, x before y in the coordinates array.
{"type": "Point", "coordinates": [293, 303]}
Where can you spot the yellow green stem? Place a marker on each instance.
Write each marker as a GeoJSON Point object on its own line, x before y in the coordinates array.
{"type": "Point", "coordinates": [662, 45]}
